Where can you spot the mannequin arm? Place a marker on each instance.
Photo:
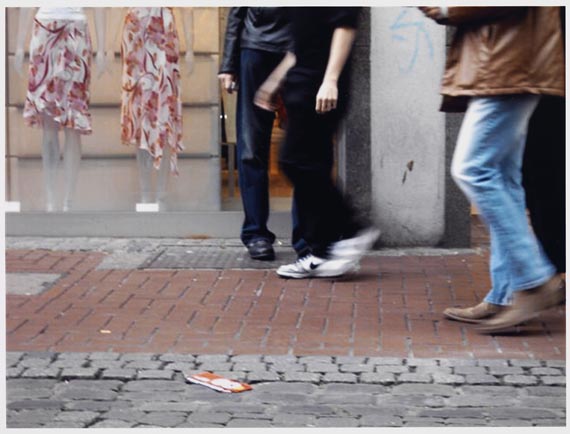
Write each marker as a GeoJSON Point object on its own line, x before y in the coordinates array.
{"type": "Point", "coordinates": [100, 27]}
{"type": "Point", "coordinates": [188, 26]}
{"type": "Point", "coordinates": [24, 22]}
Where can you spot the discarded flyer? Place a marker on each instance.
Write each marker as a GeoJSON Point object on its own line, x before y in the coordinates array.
{"type": "Point", "coordinates": [218, 383]}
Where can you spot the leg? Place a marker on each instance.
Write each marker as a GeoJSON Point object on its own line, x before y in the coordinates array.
{"type": "Point", "coordinates": [145, 165]}
{"type": "Point", "coordinates": [163, 176]}
{"type": "Point", "coordinates": [50, 160]}
{"type": "Point", "coordinates": [71, 161]}
{"type": "Point", "coordinates": [254, 127]}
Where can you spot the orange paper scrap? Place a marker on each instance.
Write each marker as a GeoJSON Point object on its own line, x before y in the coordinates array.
{"type": "Point", "coordinates": [218, 383]}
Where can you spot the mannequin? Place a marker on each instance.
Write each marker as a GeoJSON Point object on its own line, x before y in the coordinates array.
{"type": "Point", "coordinates": [151, 112]}
{"type": "Point", "coordinates": [61, 111]}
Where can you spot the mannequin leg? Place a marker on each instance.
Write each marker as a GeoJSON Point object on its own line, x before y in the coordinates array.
{"type": "Point", "coordinates": [71, 161]}
{"type": "Point", "coordinates": [162, 181]}
{"type": "Point", "coordinates": [144, 162]}
{"type": "Point", "coordinates": [50, 160]}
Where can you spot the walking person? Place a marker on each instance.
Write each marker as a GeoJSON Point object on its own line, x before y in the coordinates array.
{"type": "Point", "coordinates": [500, 62]}
{"type": "Point", "coordinates": [256, 40]}
{"type": "Point", "coordinates": [315, 92]}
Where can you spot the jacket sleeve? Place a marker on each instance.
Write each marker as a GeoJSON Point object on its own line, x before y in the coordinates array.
{"type": "Point", "coordinates": [475, 14]}
{"type": "Point", "coordinates": [230, 57]}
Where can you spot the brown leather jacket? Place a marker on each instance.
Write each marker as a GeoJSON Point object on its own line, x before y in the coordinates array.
{"type": "Point", "coordinates": [503, 50]}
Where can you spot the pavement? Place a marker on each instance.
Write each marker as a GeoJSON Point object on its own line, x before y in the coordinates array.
{"type": "Point", "coordinates": [100, 333]}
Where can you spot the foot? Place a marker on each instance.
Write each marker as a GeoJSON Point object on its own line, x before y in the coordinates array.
{"type": "Point", "coordinates": [261, 250]}
{"type": "Point", "coordinates": [526, 305]}
{"type": "Point", "coordinates": [473, 315]}
{"type": "Point", "coordinates": [313, 266]}
{"type": "Point", "coordinates": [356, 247]}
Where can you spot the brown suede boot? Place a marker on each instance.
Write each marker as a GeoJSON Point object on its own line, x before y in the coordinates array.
{"type": "Point", "coordinates": [526, 305]}
{"type": "Point", "coordinates": [473, 315]}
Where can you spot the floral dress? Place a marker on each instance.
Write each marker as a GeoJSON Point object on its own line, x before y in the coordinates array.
{"type": "Point", "coordinates": [151, 112]}
{"type": "Point", "coordinates": [59, 74]}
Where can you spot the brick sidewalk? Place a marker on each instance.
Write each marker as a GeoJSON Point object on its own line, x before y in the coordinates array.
{"type": "Point", "coordinates": [391, 308]}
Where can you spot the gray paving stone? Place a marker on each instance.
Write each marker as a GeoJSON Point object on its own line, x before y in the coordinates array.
{"type": "Point", "coordinates": [32, 404]}
{"type": "Point", "coordinates": [423, 389]}
{"type": "Point", "coordinates": [551, 422]}
{"type": "Point", "coordinates": [316, 359]}
{"type": "Point", "coordinates": [520, 413]}
{"type": "Point", "coordinates": [506, 370]}
{"type": "Point", "coordinates": [446, 413]}
{"type": "Point", "coordinates": [124, 414]}
{"type": "Point", "coordinates": [448, 379]}
{"type": "Point", "coordinates": [163, 419]}
{"type": "Point", "coordinates": [69, 363]}
{"type": "Point", "coordinates": [492, 363]}
{"type": "Point", "coordinates": [421, 362]}
{"type": "Point", "coordinates": [546, 391]}
{"type": "Point", "coordinates": [216, 366]}
{"type": "Point", "coordinates": [79, 372]}
{"type": "Point", "coordinates": [281, 398]}
{"type": "Point", "coordinates": [356, 368]}
{"type": "Point", "coordinates": [252, 409]}
{"type": "Point", "coordinates": [510, 423]}
{"type": "Point", "coordinates": [554, 381]}
{"type": "Point", "coordinates": [184, 407]}
{"type": "Point", "coordinates": [14, 372]}
{"type": "Point", "coordinates": [470, 370]}
{"type": "Point", "coordinates": [171, 357]}
{"type": "Point", "coordinates": [349, 389]}
{"type": "Point", "coordinates": [546, 371]}
{"type": "Point", "coordinates": [400, 404]}
{"type": "Point", "coordinates": [525, 363]}
{"type": "Point", "coordinates": [212, 358]}
{"type": "Point", "coordinates": [46, 355]}
{"type": "Point", "coordinates": [12, 359]}
{"type": "Point", "coordinates": [155, 374]}
{"type": "Point", "coordinates": [350, 360]}
{"type": "Point", "coordinates": [154, 385]}
{"type": "Point", "coordinates": [249, 366]}
{"type": "Point", "coordinates": [128, 357]}
{"type": "Point", "coordinates": [482, 401]}
{"type": "Point", "coordinates": [104, 356]}
{"type": "Point", "coordinates": [423, 421]}
{"type": "Point", "coordinates": [391, 369]}
{"type": "Point", "coordinates": [100, 406]}
{"type": "Point", "coordinates": [547, 402]}
{"type": "Point", "coordinates": [292, 387]}
{"type": "Point", "coordinates": [106, 364]}
{"type": "Point", "coordinates": [377, 378]}
{"type": "Point", "coordinates": [310, 377]}
{"type": "Point", "coordinates": [77, 416]}
{"type": "Point", "coordinates": [556, 363]}
{"type": "Point", "coordinates": [73, 356]}
{"type": "Point", "coordinates": [143, 364]}
{"type": "Point", "coordinates": [136, 397]}
{"type": "Point", "coordinates": [340, 422]}
{"type": "Point", "coordinates": [65, 424]}
{"type": "Point", "coordinates": [342, 400]}
{"type": "Point", "coordinates": [414, 378]}
{"type": "Point", "coordinates": [313, 409]}
{"type": "Point", "coordinates": [294, 420]}
{"type": "Point", "coordinates": [321, 367]}
{"type": "Point", "coordinates": [86, 394]}
{"type": "Point", "coordinates": [337, 377]}
{"type": "Point", "coordinates": [465, 422]}
{"type": "Point", "coordinates": [119, 374]}
{"type": "Point", "coordinates": [490, 391]}
{"type": "Point", "coordinates": [381, 420]}
{"type": "Point", "coordinates": [189, 424]}
{"type": "Point", "coordinates": [283, 367]}
{"type": "Point", "coordinates": [247, 358]}
{"type": "Point", "coordinates": [248, 423]}
{"type": "Point", "coordinates": [383, 361]}
{"type": "Point", "coordinates": [36, 363]}
{"type": "Point", "coordinates": [481, 379]}
{"type": "Point", "coordinates": [262, 376]}
{"type": "Point", "coordinates": [29, 383]}
{"type": "Point", "coordinates": [432, 370]}
{"type": "Point", "coordinates": [288, 359]}
{"type": "Point", "coordinates": [32, 416]}
{"type": "Point", "coordinates": [211, 416]}
{"type": "Point", "coordinates": [112, 423]}
{"type": "Point", "coordinates": [457, 362]}
{"type": "Point", "coordinates": [41, 373]}
{"type": "Point", "coordinates": [520, 380]}
{"type": "Point", "coordinates": [182, 367]}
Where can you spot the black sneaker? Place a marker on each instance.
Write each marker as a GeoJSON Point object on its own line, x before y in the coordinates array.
{"type": "Point", "coordinates": [261, 250]}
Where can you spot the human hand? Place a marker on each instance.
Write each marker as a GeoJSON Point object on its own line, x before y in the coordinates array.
{"type": "Point", "coordinates": [266, 95]}
{"type": "Point", "coordinates": [431, 12]}
{"type": "Point", "coordinates": [327, 97]}
{"type": "Point", "coordinates": [189, 59]}
{"type": "Point", "coordinates": [227, 81]}
{"type": "Point", "coordinates": [19, 61]}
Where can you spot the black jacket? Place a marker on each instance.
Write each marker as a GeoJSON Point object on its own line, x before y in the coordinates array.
{"type": "Point", "coordinates": [264, 29]}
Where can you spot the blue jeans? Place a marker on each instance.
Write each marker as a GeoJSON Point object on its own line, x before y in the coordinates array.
{"type": "Point", "coordinates": [487, 167]}
{"type": "Point", "coordinates": [254, 127]}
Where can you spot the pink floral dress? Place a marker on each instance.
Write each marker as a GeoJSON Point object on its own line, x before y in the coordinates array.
{"type": "Point", "coordinates": [59, 74]}
{"type": "Point", "coordinates": [151, 112]}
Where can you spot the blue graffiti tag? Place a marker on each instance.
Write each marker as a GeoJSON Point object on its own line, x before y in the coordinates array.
{"type": "Point", "coordinates": [402, 25]}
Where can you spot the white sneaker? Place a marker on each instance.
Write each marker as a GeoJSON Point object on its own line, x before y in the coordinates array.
{"type": "Point", "coordinates": [313, 266]}
{"type": "Point", "coordinates": [354, 248]}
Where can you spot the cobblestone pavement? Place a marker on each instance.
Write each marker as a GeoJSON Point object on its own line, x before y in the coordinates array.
{"type": "Point", "coordinates": [144, 390]}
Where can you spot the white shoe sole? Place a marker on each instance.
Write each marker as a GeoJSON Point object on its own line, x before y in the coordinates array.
{"type": "Point", "coordinates": [355, 248]}
{"type": "Point", "coordinates": [349, 268]}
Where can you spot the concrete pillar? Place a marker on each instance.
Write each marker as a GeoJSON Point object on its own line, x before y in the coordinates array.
{"type": "Point", "coordinates": [408, 132]}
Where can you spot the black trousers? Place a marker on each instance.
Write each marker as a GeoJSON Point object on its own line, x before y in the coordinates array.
{"type": "Point", "coordinates": [544, 177]}
{"type": "Point", "coordinates": [307, 158]}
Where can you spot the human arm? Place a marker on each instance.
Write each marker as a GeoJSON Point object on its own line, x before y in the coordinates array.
{"type": "Point", "coordinates": [265, 95]}
{"type": "Point", "coordinates": [341, 44]}
{"type": "Point", "coordinates": [24, 22]}
{"type": "Point", "coordinates": [188, 23]}
{"type": "Point", "coordinates": [230, 58]}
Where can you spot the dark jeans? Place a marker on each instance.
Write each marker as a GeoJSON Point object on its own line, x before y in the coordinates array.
{"type": "Point", "coordinates": [307, 158]}
{"type": "Point", "coordinates": [543, 177]}
{"type": "Point", "coordinates": [254, 127]}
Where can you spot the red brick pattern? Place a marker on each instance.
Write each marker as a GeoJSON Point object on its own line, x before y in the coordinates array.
{"type": "Point", "coordinates": [392, 308]}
